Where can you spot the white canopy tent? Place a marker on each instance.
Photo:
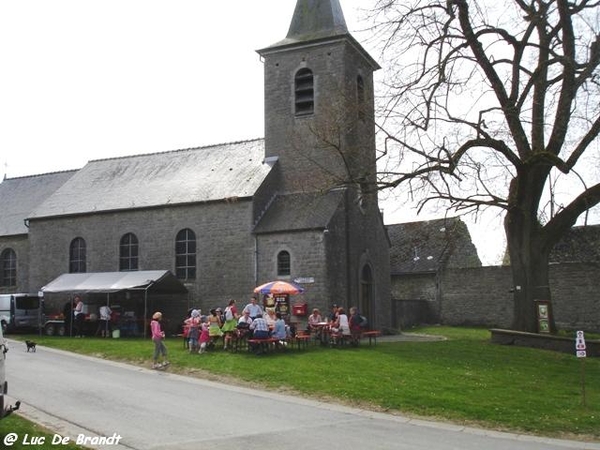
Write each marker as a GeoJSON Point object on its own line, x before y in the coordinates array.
{"type": "Point", "coordinates": [161, 281]}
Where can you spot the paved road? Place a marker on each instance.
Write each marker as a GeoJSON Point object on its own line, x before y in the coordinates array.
{"type": "Point", "coordinates": [77, 395]}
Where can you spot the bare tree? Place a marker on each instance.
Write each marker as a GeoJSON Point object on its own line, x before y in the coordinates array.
{"type": "Point", "coordinates": [496, 104]}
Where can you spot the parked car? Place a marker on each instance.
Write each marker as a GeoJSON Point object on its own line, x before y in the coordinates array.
{"type": "Point", "coordinates": [3, 383]}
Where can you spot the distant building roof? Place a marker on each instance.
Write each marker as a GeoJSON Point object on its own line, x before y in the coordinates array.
{"type": "Point", "coordinates": [302, 211]}
{"type": "Point", "coordinates": [204, 174]}
{"type": "Point", "coordinates": [418, 247]}
{"type": "Point", "coordinates": [579, 244]}
{"type": "Point", "coordinates": [20, 196]}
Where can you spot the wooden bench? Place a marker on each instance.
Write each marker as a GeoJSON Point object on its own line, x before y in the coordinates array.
{"type": "Point", "coordinates": [338, 339]}
{"type": "Point", "coordinates": [372, 335]}
{"type": "Point", "coordinates": [239, 341]}
{"type": "Point", "coordinates": [262, 345]}
{"type": "Point", "coordinates": [301, 340]}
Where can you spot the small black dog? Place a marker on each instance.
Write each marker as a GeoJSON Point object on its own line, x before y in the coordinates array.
{"type": "Point", "coordinates": [30, 346]}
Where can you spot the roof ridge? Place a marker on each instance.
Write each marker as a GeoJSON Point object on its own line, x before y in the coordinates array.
{"type": "Point", "coordinates": [40, 174]}
{"type": "Point", "coordinates": [176, 150]}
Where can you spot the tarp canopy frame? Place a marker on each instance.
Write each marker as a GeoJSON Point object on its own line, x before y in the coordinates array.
{"type": "Point", "coordinates": [161, 281]}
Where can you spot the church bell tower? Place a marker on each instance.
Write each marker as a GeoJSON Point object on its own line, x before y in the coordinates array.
{"type": "Point", "coordinates": [320, 141]}
{"type": "Point", "coordinates": [319, 102]}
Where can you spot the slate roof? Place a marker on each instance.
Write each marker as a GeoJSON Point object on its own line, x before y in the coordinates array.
{"type": "Point", "coordinates": [217, 172]}
{"type": "Point", "coordinates": [422, 247]}
{"type": "Point", "coordinates": [318, 20]}
{"type": "Point", "coordinates": [315, 19]}
{"type": "Point", "coordinates": [20, 196]}
{"type": "Point", "coordinates": [579, 244]}
{"type": "Point", "coordinates": [300, 211]}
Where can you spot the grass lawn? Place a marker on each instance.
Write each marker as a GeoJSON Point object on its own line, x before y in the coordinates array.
{"type": "Point", "coordinates": [30, 435]}
{"type": "Point", "coordinates": [464, 379]}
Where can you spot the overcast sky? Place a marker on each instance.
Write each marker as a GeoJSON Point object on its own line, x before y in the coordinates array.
{"type": "Point", "coordinates": [91, 79]}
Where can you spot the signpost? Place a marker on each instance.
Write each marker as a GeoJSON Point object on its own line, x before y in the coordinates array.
{"type": "Point", "coordinates": [581, 353]}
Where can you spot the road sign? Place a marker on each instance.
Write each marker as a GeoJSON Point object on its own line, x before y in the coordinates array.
{"type": "Point", "coordinates": [580, 345]}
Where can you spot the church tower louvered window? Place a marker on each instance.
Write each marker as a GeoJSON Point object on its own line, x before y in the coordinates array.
{"type": "Point", "coordinates": [304, 92]}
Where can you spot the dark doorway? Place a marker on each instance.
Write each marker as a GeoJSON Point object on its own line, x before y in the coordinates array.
{"type": "Point", "coordinates": [365, 304]}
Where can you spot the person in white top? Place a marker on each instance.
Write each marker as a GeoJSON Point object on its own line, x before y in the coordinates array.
{"type": "Point", "coordinates": [341, 324]}
{"type": "Point", "coordinates": [104, 324]}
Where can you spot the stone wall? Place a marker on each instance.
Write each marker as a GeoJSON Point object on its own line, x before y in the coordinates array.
{"type": "Point", "coordinates": [481, 296]}
{"type": "Point", "coordinates": [224, 246]}
{"type": "Point", "coordinates": [20, 245]}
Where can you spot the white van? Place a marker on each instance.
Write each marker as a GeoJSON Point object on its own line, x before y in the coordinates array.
{"type": "Point", "coordinates": [20, 312]}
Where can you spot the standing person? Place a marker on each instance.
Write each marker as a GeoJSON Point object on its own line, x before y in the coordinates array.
{"type": "Point", "coordinates": [192, 325]}
{"type": "Point", "coordinates": [158, 337]}
{"type": "Point", "coordinates": [204, 335]}
{"type": "Point", "coordinates": [230, 325]}
{"type": "Point", "coordinates": [104, 322]}
{"type": "Point", "coordinates": [253, 308]}
{"type": "Point", "coordinates": [68, 318]}
{"type": "Point", "coordinates": [355, 325]}
{"type": "Point", "coordinates": [214, 327]}
{"type": "Point", "coordinates": [79, 316]}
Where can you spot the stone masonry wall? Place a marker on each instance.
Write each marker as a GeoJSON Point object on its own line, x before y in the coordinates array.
{"type": "Point", "coordinates": [225, 247]}
{"type": "Point", "coordinates": [481, 296]}
{"type": "Point", "coordinates": [20, 245]}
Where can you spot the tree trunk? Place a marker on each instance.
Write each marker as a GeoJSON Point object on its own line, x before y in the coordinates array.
{"type": "Point", "coordinates": [529, 264]}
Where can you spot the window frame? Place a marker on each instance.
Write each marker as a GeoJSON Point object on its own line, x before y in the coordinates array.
{"type": "Point", "coordinates": [8, 276]}
{"type": "Point", "coordinates": [129, 253]}
{"type": "Point", "coordinates": [284, 267]}
{"type": "Point", "coordinates": [78, 256]}
{"type": "Point", "coordinates": [188, 270]}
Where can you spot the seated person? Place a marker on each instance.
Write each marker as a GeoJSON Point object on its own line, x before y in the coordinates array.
{"type": "Point", "coordinates": [279, 330]}
{"type": "Point", "coordinates": [314, 319]}
{"type": "Point", "coordinates": [260, 330]}
{"type": "Point", "coordinates": [270, 317]}
{"type": "Point", "coordinates": [259, 327]}
{"type": "Point", "coordinates": [245, 320]}
{"type": "Point", "coordinates": [243, 324]}
{"type": "Point", "coordinates": [332, 317]}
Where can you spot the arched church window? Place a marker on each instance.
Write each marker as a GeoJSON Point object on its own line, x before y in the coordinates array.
{"type": "Point", "coordinates": [9, 268]}
{"type": "Point", "coordinates": [284, 265]}
{"type": "Point", "coordinates": [360, 97]}
{"type": "Point", "coordinates": [77, 256]}
{"type": "Point", "coordinates": [304, 92]}
{"type": "Point", "coordinates": [128, 253]}
{"type": "Point", "coordinates": [185, 255]}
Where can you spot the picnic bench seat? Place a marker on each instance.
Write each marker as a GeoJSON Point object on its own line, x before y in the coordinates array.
{"type": "Point", "coordinates": [263, 345]}
{"type": "Point", "coordinates": [301, 340]}
{"type": "Point", "coordinates": [371, 334]}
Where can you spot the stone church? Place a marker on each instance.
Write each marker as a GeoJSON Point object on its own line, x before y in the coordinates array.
{"type": "Point", "coordinates": [223, 219]}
